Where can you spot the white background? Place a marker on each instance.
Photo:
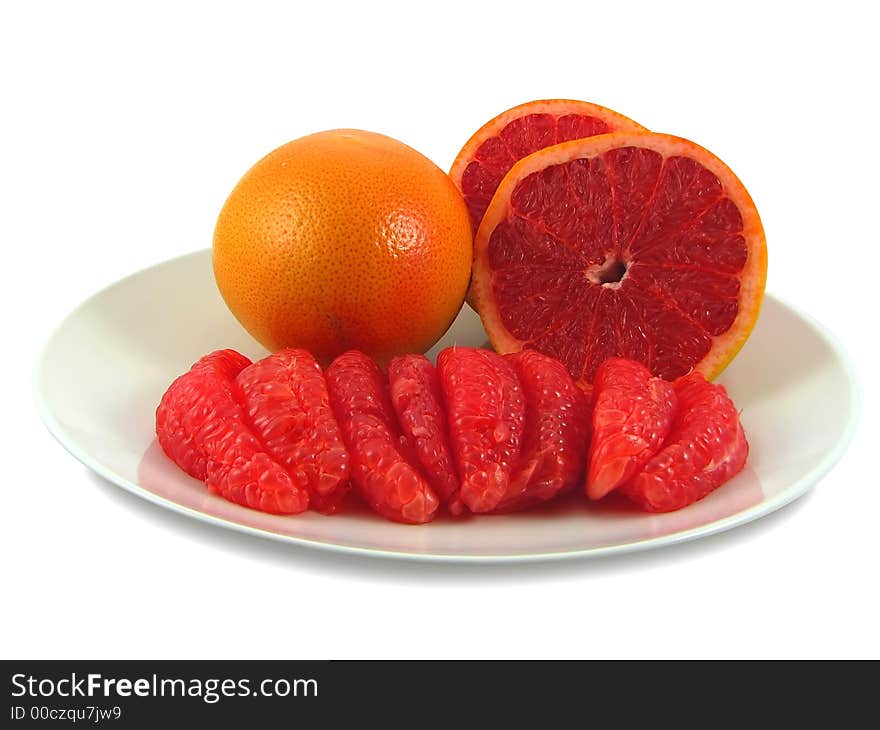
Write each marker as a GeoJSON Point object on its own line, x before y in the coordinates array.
{"type": "Point", "coordinates": [124, 129]}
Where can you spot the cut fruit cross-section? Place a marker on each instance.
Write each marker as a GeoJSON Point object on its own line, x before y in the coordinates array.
{"type": "Point", "coordinates": [520, 131]}
{"type": "Point", "coordinates": [635, 245]}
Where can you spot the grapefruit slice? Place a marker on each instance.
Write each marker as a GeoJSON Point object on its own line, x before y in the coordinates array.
{"type": "Point", "coordinates": [497, 145]}
{"type": "Point", "coordinates": [635, 245]}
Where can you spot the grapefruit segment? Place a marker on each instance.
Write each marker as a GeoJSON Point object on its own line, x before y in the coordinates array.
{"type": "Point", "coordinates": [414, 386]}
{"type": "Point", "coordinates": [635, 245]}
{"type": "Point", "coordinates": [556, 429]}
{"type": "Point", "coordinates": [500, 143]}
{"type": "Point", "coordinates": [487, 414]}
{"type": "Point", "coordinates": [284, 397]}
{"type": "Point", "coordinates": [204, 430]}
{"type": "Point", "coordinates": [632, 415]}
{"type": "Point", "coordinates": [381, 465]}
{"type": "Point", "coordinates": [705, 448]}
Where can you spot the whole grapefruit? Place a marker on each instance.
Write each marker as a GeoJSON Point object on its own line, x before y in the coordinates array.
{"type": "Point", "coordinates": [344, 240]}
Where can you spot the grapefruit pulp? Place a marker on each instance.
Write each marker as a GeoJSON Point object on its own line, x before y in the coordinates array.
{"type": "Point", "coordinates": [637, 245]}
{"type": "Point", "coordinates": [496, 146]}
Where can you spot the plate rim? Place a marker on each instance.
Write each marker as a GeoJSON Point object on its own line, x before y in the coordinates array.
{"type": "Point", "coordinates": [800, 487]}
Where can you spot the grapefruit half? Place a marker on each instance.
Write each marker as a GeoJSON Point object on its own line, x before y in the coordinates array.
{"type": "Point", "coordinates": [500, 143]}
{"type": "Point", "coordinates": [636, 245]}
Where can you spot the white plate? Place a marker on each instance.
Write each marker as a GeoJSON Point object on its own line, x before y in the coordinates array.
{"type": "Point", "coordinates": [104, 370]}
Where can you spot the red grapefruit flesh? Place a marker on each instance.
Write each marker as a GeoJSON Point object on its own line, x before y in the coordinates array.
{"type": "Point", "coordinates": [414, 386]}
{"type": "Point", "coordinates": [557, 428]}
{"type": "Point", "coordinates": [178, 420]}
{"type": "Point", "coordinates": [632, 415]}
{"type": "Point", "coordinates": [203, 429]}
{"type": "Point", "coordinates": [500, 143]}
{"type": "Point", "coordinates": [705, 448]}
{"type": "Point", "coordinates": [382, 471]}
{"type": "Point", "coordinates": [487, 414]}
{"type": "Point", "coordinates": [643, 246]}
{"type": "Point", "coordinates": [285, 399]}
